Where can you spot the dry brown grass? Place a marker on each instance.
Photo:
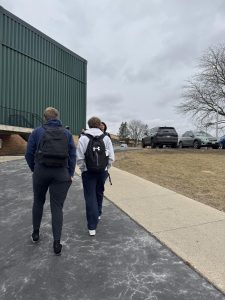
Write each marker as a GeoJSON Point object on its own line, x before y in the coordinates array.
{"type": "Point", "coordinates": [198, 174]}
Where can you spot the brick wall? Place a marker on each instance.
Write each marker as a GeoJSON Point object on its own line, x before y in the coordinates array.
{"type": "Point", "coordinates": [12, 145]}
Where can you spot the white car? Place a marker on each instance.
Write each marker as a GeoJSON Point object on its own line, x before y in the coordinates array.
{"type": "Point", "coordinates": [123, 146]}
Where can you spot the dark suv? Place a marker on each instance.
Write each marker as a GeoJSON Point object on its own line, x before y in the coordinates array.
{"type": "Point", "coordinates": [159, 136]}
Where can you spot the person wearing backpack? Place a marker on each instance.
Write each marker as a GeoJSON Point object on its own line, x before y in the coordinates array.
{"type": "Point", "coordinates": [51, 156]}
{"type": "Point", "coordinates": [95, 155]}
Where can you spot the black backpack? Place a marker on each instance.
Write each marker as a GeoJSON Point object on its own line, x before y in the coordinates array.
{"type": "Point", "coordinates": [95, 155]}
{"type": "Point", "coordinates": [53, 148]}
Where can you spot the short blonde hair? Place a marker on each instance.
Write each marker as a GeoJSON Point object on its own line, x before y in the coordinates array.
{"type": "Point", "coordinates": [94, 122]}
{"type": "Point", "coordinates": [51, 113]}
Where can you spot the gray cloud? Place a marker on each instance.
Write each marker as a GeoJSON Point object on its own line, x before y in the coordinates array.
{"type": "Point", "coordinates": [139, 52]}
{"type": "Point", "coordinates": [106, 102]}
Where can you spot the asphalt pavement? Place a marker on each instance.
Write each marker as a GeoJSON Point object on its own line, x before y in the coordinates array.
{"type": "Point", "coordinates": [123, 261]}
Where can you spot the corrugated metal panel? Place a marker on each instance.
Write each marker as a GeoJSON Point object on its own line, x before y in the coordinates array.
{"type": "Point", "coordinates": [1, 36]}
{"type": "Point", "coordinates": [36, 72]}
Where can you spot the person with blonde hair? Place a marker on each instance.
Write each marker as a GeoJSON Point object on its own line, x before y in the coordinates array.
{"type": "Point", "coordinates": [51, 156]}
{"type": "Point", "coordinates": [94, 157]}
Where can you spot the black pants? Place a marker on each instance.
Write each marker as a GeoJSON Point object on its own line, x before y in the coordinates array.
{"type": "Point", "coordinates": [58, 181]}
{"type": "Point", "coordinates": [93, 184]}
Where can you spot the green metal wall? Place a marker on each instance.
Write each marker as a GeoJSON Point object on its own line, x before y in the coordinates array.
{"type": "Point", "coordinates": [36, 72]}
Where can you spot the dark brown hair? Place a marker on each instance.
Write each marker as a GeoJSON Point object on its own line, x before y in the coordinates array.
{"type": "Point", "coordinates": [105, 126]}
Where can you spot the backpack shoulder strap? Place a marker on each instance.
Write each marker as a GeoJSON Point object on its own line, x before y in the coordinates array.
{"type": "Point", "coordinates": [102, 136]}
{"type": "Point", "coordinates": [41, 137]}
{"type": "Point", "coordinates": [89, 136]}
{"type": "Point", "coordinates": [45, 127]}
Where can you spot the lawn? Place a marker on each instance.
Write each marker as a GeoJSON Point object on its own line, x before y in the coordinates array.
{"type": "Point", "coordinates": [198, 174]}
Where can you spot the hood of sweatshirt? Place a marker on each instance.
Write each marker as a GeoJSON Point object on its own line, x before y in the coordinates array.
{"type": "Point", "coordinates": [53, 123]}
{"type": "Point", "coordinates": [94, 131]}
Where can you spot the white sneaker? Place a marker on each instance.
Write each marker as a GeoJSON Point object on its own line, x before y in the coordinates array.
{"type": "Point", "coordinates": [92, 232]}
{"type": "Point", "coordinates": [99, 217]}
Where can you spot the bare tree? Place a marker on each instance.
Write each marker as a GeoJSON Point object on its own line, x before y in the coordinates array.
{"type": "Point", "coordinates": [204, 95]}
{"type": "Point", "coordinates": [137, 129]}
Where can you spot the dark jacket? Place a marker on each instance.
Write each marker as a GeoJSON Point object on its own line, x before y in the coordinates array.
{"type": "Point", "coordinates": [34, 141]}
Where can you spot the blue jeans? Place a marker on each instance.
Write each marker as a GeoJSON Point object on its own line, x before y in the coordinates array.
{"type": "Point", "coordinates": [93, 184]}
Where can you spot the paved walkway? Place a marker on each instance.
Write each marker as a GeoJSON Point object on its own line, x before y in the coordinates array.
{"type": "Point", "coordinates": [9, 158]}
{"type": "Point", "coordinates": [123, 261]}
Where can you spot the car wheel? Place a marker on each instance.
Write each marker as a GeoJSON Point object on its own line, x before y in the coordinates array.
{"type": "Point", "coordinates": [153, 145]}
{"type": "Point", "coordinates": [174, 146]}
{"type": "Point", "coordinates": [180, 145]}
{"type": "Point", "coordinates": [160, 146]}
{"type": "Point", "coordinates": [215, 147]}
{"type": "Point", "coordinates": [196, 145]}
{"type": "Point", "coordinates": [221, 146]}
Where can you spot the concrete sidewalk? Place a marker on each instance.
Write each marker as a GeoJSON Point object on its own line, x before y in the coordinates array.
{"type": "Point", "coordinates": [9, 158]}
{"type": "Point", "coordinates": [194, 231]}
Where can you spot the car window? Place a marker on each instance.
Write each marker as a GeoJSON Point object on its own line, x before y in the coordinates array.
{"type": "Point", "coordinates": [202, 133]}
{"type": "Point", "coordinates": [167, 130]}
{"type": "Point", "coordinates": [209, 135]}
{"type": "Point", "coordinates": [186, 134]}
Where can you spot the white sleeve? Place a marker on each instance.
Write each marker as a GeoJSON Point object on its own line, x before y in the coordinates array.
{"type": "Point", "coordinates": [109, 148]}
{"type": "Point", "coordinates": [81, 149]}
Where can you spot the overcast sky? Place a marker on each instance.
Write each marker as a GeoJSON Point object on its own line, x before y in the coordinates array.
{"type": "Point", "coordinates": [139, 52]}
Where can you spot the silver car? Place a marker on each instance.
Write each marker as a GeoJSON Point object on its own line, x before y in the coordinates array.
{"type": "Point", "coordinates": [198, 139]}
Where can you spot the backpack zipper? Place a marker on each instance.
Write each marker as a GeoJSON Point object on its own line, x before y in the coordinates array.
{"type": "Point", "coordinates": [96, 157]}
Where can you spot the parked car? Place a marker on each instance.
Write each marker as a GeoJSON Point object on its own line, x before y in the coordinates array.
{"type": "Point", "coordinates": [198, 139]}
{"type": "Point", "coordinates": [160, 136]}
{"type": "Point", "coordinates": [222, 142]}
{"type": "Point", "coordinates": [123, 145]}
